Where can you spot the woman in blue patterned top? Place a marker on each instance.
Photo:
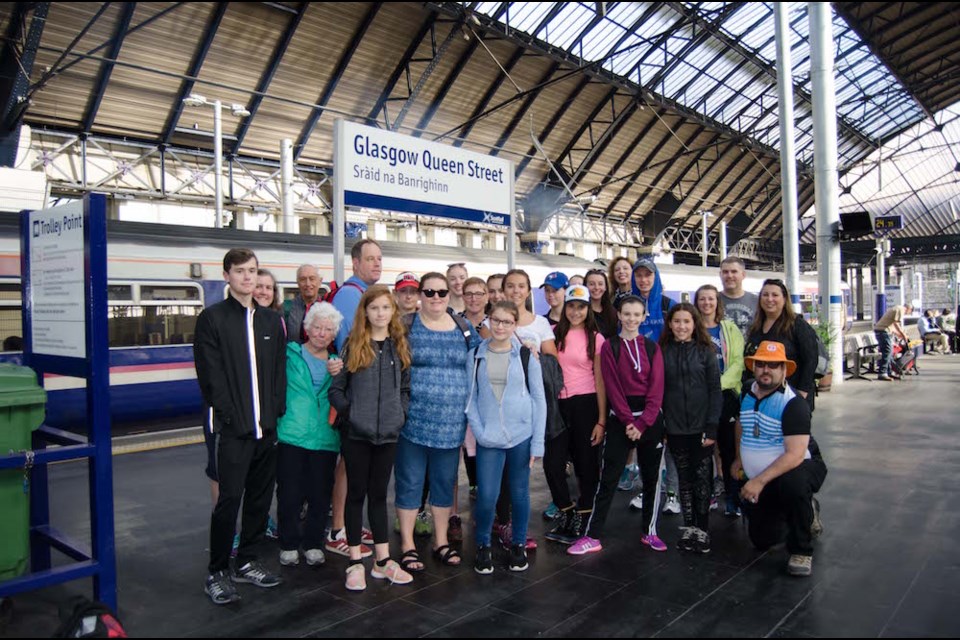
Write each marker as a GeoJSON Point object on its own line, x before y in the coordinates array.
{"type": "Point", "coordinates": [436, 422]}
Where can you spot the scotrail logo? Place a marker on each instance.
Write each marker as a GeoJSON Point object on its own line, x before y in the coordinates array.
{"type": "Point", "coordinates": [493, 218]}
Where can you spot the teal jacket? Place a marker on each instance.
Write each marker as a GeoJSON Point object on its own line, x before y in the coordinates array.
{"type": "Point", "coordinates": [306, 422]}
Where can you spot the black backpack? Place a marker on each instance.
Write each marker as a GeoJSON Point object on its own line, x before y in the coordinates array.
{"type": "Point", "coordinates": [81, 617]}
{"type": "Point", "coordinates": [524, 360]}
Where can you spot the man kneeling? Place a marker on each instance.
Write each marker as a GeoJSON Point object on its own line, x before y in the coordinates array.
{"type": "Point", "coordinates": [778, 460]}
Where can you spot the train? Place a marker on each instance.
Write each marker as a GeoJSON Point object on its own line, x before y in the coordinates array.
{"type": "Point", "coordinates": [160, 277]}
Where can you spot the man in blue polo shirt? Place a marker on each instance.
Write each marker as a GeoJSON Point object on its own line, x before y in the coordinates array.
{"type": "Point", "coordinates": [778, 460]}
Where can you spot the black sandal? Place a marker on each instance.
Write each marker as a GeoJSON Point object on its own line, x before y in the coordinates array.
{"type": "Point", "coordinates": [409, 558]}
{"type": "Point", "coordinates": [445, 554]}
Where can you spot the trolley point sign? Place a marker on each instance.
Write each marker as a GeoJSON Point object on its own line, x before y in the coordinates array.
{"type": "Point", "coordinates": [384, 170]}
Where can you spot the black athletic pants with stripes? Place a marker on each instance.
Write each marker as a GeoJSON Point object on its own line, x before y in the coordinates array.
{"type": "Point", "coordinates": [247, 469]}
{"type": "Point", "coordinates": [580, 414]}
{"type": "Point", "coordinates": [615, 449]}
{"type": "Point", "coordinates": [695, 473]}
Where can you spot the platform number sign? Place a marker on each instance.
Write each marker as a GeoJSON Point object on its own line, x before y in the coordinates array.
{"type": "Point", "coordinates": [888, 223]}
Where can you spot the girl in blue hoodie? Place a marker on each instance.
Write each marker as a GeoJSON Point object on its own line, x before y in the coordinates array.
{"type": "Point", "coordinates": [507, 412]}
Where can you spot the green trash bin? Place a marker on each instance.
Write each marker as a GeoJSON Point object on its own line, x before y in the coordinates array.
{"type": "Point", "coordinates": [22, 405]}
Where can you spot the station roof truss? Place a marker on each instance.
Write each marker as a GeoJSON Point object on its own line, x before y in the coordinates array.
{"type": "Point", "coordinates": [631, 104]}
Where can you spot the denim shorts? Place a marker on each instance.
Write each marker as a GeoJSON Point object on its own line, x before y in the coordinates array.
{"type": "Point", "coordinates": [410, 470]}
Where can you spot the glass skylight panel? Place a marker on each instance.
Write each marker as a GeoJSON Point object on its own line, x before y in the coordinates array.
{"type": "Point", "coordinates": [488, 8]}
{"type": "Point", "coordinates": [625, 14]}
{"type": "Point", "coordinates": [623, 63]}
{"type": "Point", "coordinates": [597, 42]}
{"type": "Point", "coordinates": [564, 29]}
{"type": "Point", "coordinates": [527, 16]}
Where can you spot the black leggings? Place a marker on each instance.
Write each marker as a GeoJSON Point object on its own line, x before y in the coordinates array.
{"type": "Point", "coordinates": [580, 414]}
{"type": "Point", "coordinates": [695, 475]}
{"type": "Point", "coordinates": [368, 473]}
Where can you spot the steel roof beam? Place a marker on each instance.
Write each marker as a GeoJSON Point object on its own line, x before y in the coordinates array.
{"type": "Point", "coordinates": [186, 87]}
{"type": "Point", "coordinates": [551, 125]}
{"type": "Point", "coordinates": [15, 69]}
{"type": "Point", "coordinates": [106, 68]}
{"type": "Point", "coordinates": [334, 80]}
{"type": "Point", "coordinates": [488, 95]}
{"type": "Point", "coordinates": [271, 70]}
{"type": "Point", "coordinates": [402, 66]}
{"type": "Point", "coordinates": [628, 182]}
{"type": "Point", "coordinates": [522, 111]}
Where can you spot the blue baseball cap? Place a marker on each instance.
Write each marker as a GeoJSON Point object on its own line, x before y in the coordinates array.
{"type": "Point", "coordinates": [645, 263]}
{"type": "Point", "coordinates": [556, 280]}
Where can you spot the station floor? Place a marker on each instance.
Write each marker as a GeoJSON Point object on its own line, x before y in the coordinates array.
{"type": "Point", "coordinates": [887, 564]}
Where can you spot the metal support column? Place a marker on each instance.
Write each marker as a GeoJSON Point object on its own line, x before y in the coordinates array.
{"type": "Point", "coordinates": [217, 164]}
{"type": "Point", "coordinates": [723, 241]}
{"type": "Point", "coordinates": [706, 238]}
{"type": "Point", "coordinates": [826, 175]}
{"type": "Point", "coordinates": [339, 202]}
{"type": "Point", "coordinates": [286, 185]}
{"type": "Point", "coordinates": [788, 163]}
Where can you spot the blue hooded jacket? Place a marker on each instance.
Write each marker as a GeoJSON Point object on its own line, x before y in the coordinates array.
{"type": "Point", "coordinates": [653, 325]}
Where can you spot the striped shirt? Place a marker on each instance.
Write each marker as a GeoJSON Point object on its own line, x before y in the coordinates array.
{"type": "Point", "coordinates": [766, 422]}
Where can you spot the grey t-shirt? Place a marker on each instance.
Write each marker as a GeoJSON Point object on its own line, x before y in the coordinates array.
{"type": "Point", "coordinates": [741, 310]}
{"type": "Point", "coordinates": [497, 364]}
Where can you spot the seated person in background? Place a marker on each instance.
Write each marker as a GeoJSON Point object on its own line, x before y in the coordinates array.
{"type": "Point", "coordinates": [931, 333]}
{"type": "Point", "coordinates": [947, 321]}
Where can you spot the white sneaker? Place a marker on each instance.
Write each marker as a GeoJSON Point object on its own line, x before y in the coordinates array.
{"type": "Point", "coordinates": [637, 503]}
{"type": "Point", "coordinates": [314, 557]}
{"type": "Point", "coordinates": [672, 505]}
{"type": "Point", "coordinates": [290, 558]}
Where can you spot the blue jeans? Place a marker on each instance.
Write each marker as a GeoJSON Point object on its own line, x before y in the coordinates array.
{"type": "Point", "coordinates": [490, 463]}
{"type": "Point", "coordinates": [885, 342]}
{"type": "Point", "coordinates": [410, 472]}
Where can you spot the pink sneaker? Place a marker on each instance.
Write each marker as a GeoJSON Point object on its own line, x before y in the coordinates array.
{"type": "Point", "coordinates": [585, 545]}
{"type": "Point", "coordinates": [654, 542]}
{"type": "Point", "coordinates": [356, 578]}
{"type": "Point", "coordinates": [391, 572]}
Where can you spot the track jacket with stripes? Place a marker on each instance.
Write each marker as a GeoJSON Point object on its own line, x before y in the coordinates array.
{"type": "Point", "coordinates": [228, 341]}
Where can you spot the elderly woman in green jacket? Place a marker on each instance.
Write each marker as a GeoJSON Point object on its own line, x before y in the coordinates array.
{"type": "Point", "coordinates": [729, 343]}
{"type": "Point", "coordinates": [308, 445]}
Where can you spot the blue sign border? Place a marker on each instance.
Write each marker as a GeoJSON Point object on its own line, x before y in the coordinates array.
{"type": "Point", "coordinates": [370, 201]}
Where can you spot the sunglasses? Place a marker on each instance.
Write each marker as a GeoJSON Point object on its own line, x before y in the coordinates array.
{"type": "Point", "coordinates": [443, 293]}
{"type": "Point", "coordinates": [760, 364]}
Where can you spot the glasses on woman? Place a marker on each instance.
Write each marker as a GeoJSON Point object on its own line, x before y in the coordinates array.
{"type": "Point", "coordinates": [497, 322]}
{"type": "Point", "coordinates": [443, 293]}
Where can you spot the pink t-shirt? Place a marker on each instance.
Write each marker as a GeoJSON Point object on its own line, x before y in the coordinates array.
{"type": "Point", "coordinates": [577, 367]}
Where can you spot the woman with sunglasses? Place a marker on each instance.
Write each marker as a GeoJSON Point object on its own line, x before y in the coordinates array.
{"type": "Point", "coordinates": [507, 411]}
{"type": "Point", "coordinates": [435, 426]}
{"type": "Point", "coordinates": [621, 280]}
{"type": "Point", "coordinates": [603, 311]}
{"type": "Point", "coordinates": [728, 343]}
{"type": "Point", "coordinates": [456, 276]}
{"type": "Point", "coordinates": [776, 321]}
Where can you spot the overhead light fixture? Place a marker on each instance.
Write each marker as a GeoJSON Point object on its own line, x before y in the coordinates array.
{"type": "Point", "coordinates": [239, 110]}
{"type": "Point", "coordinates": [195, 100]}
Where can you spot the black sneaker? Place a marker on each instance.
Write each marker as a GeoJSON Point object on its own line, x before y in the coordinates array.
{"type": "Point", "coordinates": [688, 539]}
{"type": "Point", "coordinates": [484, 562]}
{"type": "Point", "coordinates": [701, 543]}
{"type": "Point", "coordinates": [220, 589]}
{"type": "Point", "coordinates": [561, 531]}
{"type": "Point", "coordinates": [254, 573]}
{"type": "Point", "coordinates": [518, 558]}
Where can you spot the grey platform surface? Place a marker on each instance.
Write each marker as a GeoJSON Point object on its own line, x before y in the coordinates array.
{"type": "Point", "coordinates": [887, 564]}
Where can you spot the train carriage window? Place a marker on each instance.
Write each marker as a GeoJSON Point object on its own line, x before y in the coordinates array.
{"type": "Point", "coordinates": [165, 315]}
{"type": "Point", "coordinates": [119, 292]}
{"type": "Point", "coordinates": [11, 329]}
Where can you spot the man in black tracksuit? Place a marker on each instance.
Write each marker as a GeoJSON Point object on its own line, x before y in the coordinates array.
{"type": "Point", "coordinates": [240, 354]}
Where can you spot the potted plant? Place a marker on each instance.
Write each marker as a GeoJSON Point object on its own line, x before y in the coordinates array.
{"type": "Point", "coordinates": [827, 334]}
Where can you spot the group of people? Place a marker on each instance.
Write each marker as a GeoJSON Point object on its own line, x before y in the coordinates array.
{"type": "Point", "coordinates": [329, 399]}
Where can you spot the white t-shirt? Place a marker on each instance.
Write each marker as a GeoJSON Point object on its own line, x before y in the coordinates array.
{"type": "Point", "coordinates": [533, 334]}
